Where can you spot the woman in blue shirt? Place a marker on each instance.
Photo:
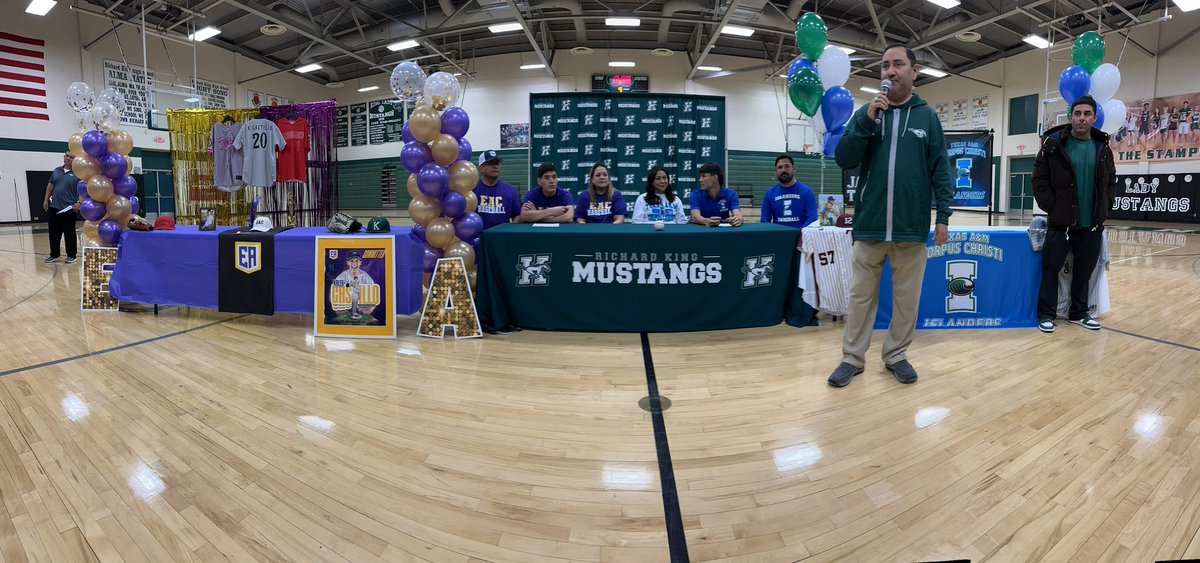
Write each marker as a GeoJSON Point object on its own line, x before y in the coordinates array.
{"type": "Point", "coordinates": [659, 203]}
{"type": "Point", "coordinates": [601, 203]}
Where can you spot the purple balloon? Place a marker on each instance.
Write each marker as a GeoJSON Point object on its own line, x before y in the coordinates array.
{"type": "Point", "coordinates": [464, 149]}
{"type": "Point", "coordinates": [109, 231]}
{"type": "Point", "coordinates": [92, 210]}
{"type": "Point", "coordinates": [433, 179]}
{"type": "Point", "coordinates": [113, 165]}
{"type": "Point", "coordinates": [475, 244]}
{"type": "Point", "coordinates": [455, 122]}
{"type": "Point", "coordinates": [125, 185]}
{"type": "Point", "coordinates": [429, 262]}
{"type": "Point", "coordinates": [406, 134]}
{"type": "Point", "coordinates": [81, 188]}
{"type": "Point", "coordinates": [415, 155]}
{"type": "Point", "coordinates": [453, 204]}
{"type": "Point", "coordinates": [135, 206]}
{"type": "Point", "coordinates": [418, 232]}
{"type": "Point", "coordinates": [95, 143]}
{"type": "Point", "coordinates": [468, 226]}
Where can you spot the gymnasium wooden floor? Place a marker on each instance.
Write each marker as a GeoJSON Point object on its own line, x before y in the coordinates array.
{"type": "Point", "coordinates": [197, 435]}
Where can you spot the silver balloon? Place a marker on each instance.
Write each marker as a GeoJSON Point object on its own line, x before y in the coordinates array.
{"type": "Point", "coordinates": [408, 81]}
{"type": "Point", "coordinates": [113, 97]}
{"type": "Point", "coordinates": [80, 96]}
{"type": "Point", "coordinates": [442, 90]}
{"type": "Point", "coordinates": [105, 116]}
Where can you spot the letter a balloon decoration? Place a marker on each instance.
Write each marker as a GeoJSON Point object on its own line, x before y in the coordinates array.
{"type": "Point", "coordinates": [816, 82]}
{"type": "Point", "coordinates": [438, 157]}
{"type": "Point", "coordinates": [106, 190]}
{"type": "Point", "coordinates": [1092, 76]}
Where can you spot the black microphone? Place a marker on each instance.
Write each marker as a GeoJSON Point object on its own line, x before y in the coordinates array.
{"type": "Point", "coordinates": [885, 86]}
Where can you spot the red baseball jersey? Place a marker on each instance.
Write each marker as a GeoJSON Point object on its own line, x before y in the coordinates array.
{"type": "Point", "coordinates": [293, 161]}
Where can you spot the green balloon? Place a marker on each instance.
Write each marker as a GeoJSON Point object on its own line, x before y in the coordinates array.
{"type": "Point", "coordinates": [811, 36]}
{"type": "Point", "coordinates": [804, 88]}
{"type": "Point", "coordinates": [1088, 51]}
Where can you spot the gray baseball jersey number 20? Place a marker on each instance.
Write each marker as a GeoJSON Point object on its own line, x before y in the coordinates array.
{"type": "Point", "coordinates": [259, 140]}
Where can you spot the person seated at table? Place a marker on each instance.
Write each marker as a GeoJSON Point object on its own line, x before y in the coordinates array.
{"type": "Point", "coordinates": [789, 203]}
{"type": "Point", "coordinates": [659, 203]}
{"type": "Point", "coordinates": [601, 203]}
{"type": "Point", "coordinates": [546, 203]}
{"type": "Point", "coordinates": [713, 203]}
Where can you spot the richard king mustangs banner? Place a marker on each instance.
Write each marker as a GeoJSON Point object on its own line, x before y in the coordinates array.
{"type": "Point", "coordinates": [1156, 197]}
{"type": "Point", "coordinates": [629, 132]}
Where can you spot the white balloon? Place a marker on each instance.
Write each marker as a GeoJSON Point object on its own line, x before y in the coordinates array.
{"type": "Point", "coordinates": [818, 123]}
{"type": "Point", "coordinates": [113, 97]}
{"type": "Point", "coordinates": [80, 96]}
{"type": "Point", "coordinates": [1114, 115]}
{"type": "Point", "coordinates": [833, 67]}
{"type": "Point", "coordinates": [442, 90]}
{"type": "Point", "coordinates": [83, 120]}
{"type": "Point", "coordinates": [1105, 82]}
{"type": "Point", "coordinates": [105, 115]}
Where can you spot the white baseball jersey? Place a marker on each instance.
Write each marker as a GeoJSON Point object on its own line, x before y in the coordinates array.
{"type": "Point", "coordinates": [348, 279]}
{"type": "Point", "coordinates": [1098, 303]}
{"type": "Point", "coordinates": [826, 271]}
{"type": "Point", "coordinates": [258, 140]}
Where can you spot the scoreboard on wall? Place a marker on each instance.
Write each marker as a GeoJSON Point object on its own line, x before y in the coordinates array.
{"type": "Point", "coordinates": [621, 83]}
{"type": "Point", "coordinates": [631, 133]}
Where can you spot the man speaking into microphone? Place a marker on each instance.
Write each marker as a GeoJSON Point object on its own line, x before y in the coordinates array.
{"type": "Point", "coordinates": [898, 144]}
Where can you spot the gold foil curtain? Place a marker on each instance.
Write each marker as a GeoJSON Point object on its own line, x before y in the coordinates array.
{"type": "Point", "coordinates": [192, 166]}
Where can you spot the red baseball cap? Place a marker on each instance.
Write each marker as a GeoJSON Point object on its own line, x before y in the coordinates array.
{"type": "Point", "coordinates": [164, 223]}
{"type": "Point", "coordinates": [845, 221]}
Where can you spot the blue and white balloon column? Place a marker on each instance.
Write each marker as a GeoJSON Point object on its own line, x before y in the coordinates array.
{"type": "Point", "coordinates": [816, 82]}
{"type": "Point", "coordinates": [1100, 81]}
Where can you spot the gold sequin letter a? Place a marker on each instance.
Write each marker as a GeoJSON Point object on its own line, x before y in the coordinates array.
{"type": "Point", "coordinates": [450, 303]}
{"type": "Point", "coordinates": [97, 269]}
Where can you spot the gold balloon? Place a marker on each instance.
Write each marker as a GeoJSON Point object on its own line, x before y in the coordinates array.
{"type": "Point", "coordinates": [460, 249]}
{"type": "Point", "coordinates": [471, 277]}
{"type": "Point", "coordinates": [472, 202]}
{"type": "Point", "coordinates": [84, 167]}
{"type": "Point", "coordinates": [425, 125]}
{"type": "Point", "coordinates": [444, 149]}
{"type": "Point", "coordinates": [100, 189]}
{"type": "Point", "coordinates": [440, 232]}
{"type": "Point", "coordinates": [425, 279]}
{"type": "Point", "coordinates": [75, 145]}
{"type": "Point", "coordinates": [120, 142]}
{"type": "Point", "coordinates": [423, 209]}
{"type": "Point", "coordinates": [128, 166]}
{"type": "Point", "coordinates": [91, 230]}
{"type": "Point", "coordinates": [463, 176]}
{"type": "Point", "coordinates": [119, 208]}
{"type": "Point", "coordinates": [412, 186]}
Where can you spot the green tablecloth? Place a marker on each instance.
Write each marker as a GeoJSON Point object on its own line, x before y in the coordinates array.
{"type": "Point", "coordinates": [631, 278]}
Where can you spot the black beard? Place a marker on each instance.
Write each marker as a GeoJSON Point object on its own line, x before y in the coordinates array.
{"type": "Point", "coordinates": [784, 178]}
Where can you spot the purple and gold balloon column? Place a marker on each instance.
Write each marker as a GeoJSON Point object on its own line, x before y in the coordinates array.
{"type": "Point", "coordinates": [106, 191]}
{"type": "Point", "coordinates": [438, 156]}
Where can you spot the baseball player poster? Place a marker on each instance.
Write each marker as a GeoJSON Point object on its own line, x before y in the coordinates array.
{"type": "Point", "coordinates": [355, 287]}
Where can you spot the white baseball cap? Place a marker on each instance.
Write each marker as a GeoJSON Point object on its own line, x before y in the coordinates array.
{"type": "Point", "coordinates": [262, 224]}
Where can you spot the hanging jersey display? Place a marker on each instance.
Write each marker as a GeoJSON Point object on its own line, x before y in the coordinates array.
{"type": "Point", "coordinates": [258, 140]}
{"type": "Point", "coordinates": [293, 161]}
{"type": "Point", "coordinates": [227, 162]}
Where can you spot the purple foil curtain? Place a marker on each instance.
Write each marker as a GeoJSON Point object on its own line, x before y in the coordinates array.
{"type": "Point", "coordinates": [315, 202]}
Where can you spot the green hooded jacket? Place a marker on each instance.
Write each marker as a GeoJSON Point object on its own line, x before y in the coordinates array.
{"type": "Point", "coordinates": [903, 166]}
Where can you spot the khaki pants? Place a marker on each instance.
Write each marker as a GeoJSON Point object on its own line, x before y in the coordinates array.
{"type": "Point", "coordinates": [908, 271]}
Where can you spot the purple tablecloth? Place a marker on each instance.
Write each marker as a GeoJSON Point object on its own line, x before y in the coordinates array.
{"type": "Point", "coordinates": [180, 268]}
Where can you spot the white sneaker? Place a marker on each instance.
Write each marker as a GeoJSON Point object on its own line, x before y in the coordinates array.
{"type": "Point", "coordinates": [1087, 322]}
{"type": "Point", "coordinates": [1046, 325]}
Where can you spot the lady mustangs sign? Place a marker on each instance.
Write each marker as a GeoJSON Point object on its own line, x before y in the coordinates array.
{"type": "Point", "coordinates": [1156, 197]}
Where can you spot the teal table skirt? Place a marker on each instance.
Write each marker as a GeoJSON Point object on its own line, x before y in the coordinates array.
{"type": "Point", "coordinates": [631, 278]}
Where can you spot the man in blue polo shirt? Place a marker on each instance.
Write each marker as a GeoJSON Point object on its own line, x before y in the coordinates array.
{"type": "Point", "coordinates": [546, 203]}
{"type": "Point", "coordinates": [713, 203]}
{"type": "Point", "coordinates": [499, 202]}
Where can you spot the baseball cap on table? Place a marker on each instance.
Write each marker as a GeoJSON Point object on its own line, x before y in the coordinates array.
{"type": "Point", "coordinates": [343, 223]}
{"type": "Point", "coordinates": [262, 224]}
{"type": "Point", "coordinates": [489, 156]}
{"type": "Point", "coordinates": [845, 220]}
{"type": "Point", "coordinates": [379, 225]}
{"type": "Point", "coordinates": [164, 223]}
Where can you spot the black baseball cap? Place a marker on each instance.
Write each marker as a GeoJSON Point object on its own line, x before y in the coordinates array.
{"type": "Point", "coordinates": [354, 254]}
{"type": "Point", "coordinates": [489, 156]}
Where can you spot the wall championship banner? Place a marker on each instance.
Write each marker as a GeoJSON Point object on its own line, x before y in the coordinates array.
{"type": "Point", "coordinates": [631, 133]}
{"type": "Point", "coordinates": [355, 287]}
{"type": "Point", "coordinates": [971, 157]}
{"type": "Point", "coordinates": [1156, 197]}
{"type": "Point", "coordinates": [1157, 130]}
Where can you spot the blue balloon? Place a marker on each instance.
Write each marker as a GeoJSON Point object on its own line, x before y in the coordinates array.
{"type": "Point", "coordinates": [1073, 83]}
{"type": "Point", "coordinates": [837, 105]}
{"type": "Point", "coordinates": [799, 65]}
{"type": "Point", "coordinates": [1099, 124]}
{"type": "Point", "coordinates": [832, 139]}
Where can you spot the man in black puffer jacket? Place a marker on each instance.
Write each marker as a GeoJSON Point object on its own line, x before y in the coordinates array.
{"type": "Point", "coordinates": [1074, 182]}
